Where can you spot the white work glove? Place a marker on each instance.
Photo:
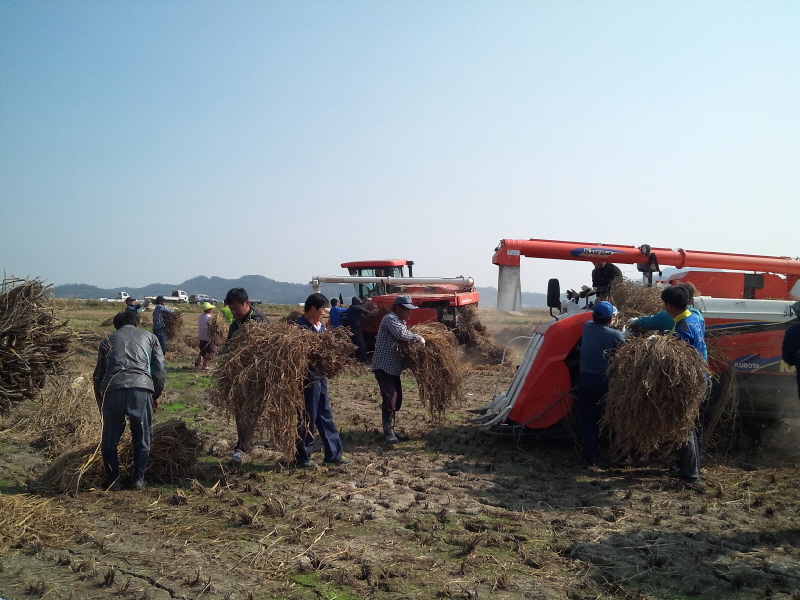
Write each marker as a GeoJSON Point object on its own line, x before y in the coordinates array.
{"type": "Point", "coordinates": [422, 340]}
{"type": "Point", "coordinates": [632, 321]}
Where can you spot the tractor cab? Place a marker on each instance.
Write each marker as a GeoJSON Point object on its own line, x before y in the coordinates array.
{"type": "Point", "coordinates": [378, 268]}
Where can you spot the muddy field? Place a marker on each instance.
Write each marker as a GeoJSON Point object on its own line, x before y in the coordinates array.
{"type": "Point", "coordinates": [451, 513]}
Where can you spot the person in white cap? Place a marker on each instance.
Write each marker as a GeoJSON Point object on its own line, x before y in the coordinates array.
{"type": "Point", "coordinates": [387, 362]}
{"type": "Point", "coordinates": [207, 345]}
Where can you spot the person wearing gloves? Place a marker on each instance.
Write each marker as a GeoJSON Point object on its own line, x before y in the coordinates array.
{"type": "Point", "coordinates": [387, 362]}
{"type": "Point", "coordinates": [128, 380]}
{"type": "Point", "coordinates": [598, 342]}
{"type": "Point", "coordinates": [603, 275]}
{"type": "Point", "coordinates": [129, 305]}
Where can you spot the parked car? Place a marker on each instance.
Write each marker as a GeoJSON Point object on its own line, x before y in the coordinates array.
{"type": "Point", "coordinates": [200, 299]}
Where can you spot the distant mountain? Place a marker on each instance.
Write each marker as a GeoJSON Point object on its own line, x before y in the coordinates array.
{"type": "Point", "coordinates": [259, 288]}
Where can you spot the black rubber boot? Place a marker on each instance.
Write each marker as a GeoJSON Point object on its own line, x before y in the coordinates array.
{"type": "Point", "coordinates": [388, 428]}
{"type": "Point", "coordinates": [400, 437]}
{"type": "Point", "coordinates": [139, 465]}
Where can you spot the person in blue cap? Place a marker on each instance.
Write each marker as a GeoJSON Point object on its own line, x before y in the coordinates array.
{"type": "Point", "coordinates": [597, 344]}
{"type": "Point", "coordinates": [352, 319]}
{"type": "Point", "coordinates": [387, 362]}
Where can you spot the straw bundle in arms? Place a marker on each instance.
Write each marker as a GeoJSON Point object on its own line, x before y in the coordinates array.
{"type": "Point", "coordinates": [34, 343]}
{"type": "Point", "coordinates": [436, 368]}
{"type": "Point", "coordinates": [173, 321]}
{"type": "Point", "coordinates": [657, 386]}
{"type": "Point", "coordinates": [259, 379]}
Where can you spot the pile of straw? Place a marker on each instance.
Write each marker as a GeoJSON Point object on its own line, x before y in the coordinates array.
{"type": "Point", "coordinates": [108, 322]}
{"type": "Point", "coordinates": [67, 416]}
{"type": "Point", "coordinates": [657, 386]}
{"type": "Point", "coordinates": [481, 349]}
{"type": "Point", "coordinates": [33, 522]}
{"type": "Point", "coordinates": [144, 320]}
{"type": "Point", "coordinates": [634, 300]}
{"type": "Point", "coordinates": [173, 455]}
{"type": "Point", "coordinates": [259, 380]}
{"type": "Point", "coordinates": [372, 320]}
{"type": "Point", "coordinates": [435, 367]}
{"type": "Point", "coordinates": [174, 324]}
{"type": "Point", "coordinates": [218, 328]}
{"type": "Point", "coordinates": [34, 343]}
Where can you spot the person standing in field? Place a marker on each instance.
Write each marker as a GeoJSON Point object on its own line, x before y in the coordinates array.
{"type": "Point", "coordinates": [352, 318]}
{"type": "Point", "coordinates": [318, 413]}
{"type": "Point", "coordinates": [159, 325]}
{"type": "Point", "coordinates": [598, 342]}
{"type": "Point", "coordinates": [226, 312]}
{"type": "Point", "coordinates": [239, 303]}
{"type": "Point", "coordinates": [129, 305]}
{"type": "Point", "coordinates": [128, 380]}
{"type": "Point", "coordinates": [790, 349]}
{"type": "Point", "coordinates": [335, 315]}
{"type": "Point", "coordinates": [207, 345]}
{"type": "Point", "coordinates": [387, 362]}
{"type": "Point", "coordinates": [690, 328]}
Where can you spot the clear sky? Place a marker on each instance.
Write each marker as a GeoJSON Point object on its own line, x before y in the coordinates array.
{"type": "Point", "coordinates": [145, 142]}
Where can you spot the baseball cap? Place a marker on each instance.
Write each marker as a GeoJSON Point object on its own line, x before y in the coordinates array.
{"type": "Point", "coordinates": [129, 299]}
{"type": "Point", "coordinates": [159, 298]}
{"type": "Point", "coordinates": [404, 301]}
{"type": "Point", "coordinates": [604, 309]}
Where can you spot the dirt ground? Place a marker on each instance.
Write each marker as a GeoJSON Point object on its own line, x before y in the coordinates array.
{"type": "Point", "coordinates": [450, 513]}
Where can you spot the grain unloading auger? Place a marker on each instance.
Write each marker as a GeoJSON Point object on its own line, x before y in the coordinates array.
{"type": "Point", "coordinates": [746, 314]}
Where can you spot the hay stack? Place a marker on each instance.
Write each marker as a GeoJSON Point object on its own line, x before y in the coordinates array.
{"type": "Point", "coordinates": [435, 367]}
{"type": "Point", "coordinates": [218, 328]}
{"type": "Point", "coordinates": [173, 321]}
{"type": "Point", "coordinates": [33, 522]}
{"type": "Point", "coordinates": [108, 322]}
{"type": "Point", "coordinates": [259, 379]}
{"type": "Point", "coordinates": [634, 300]}
{"type": "Point", "coordinates": [173, 454]}
{"type": "Point", "coordinates": [657, 386]}
{"type": "Point", "coordinates": [67, 417]}
{"type": "Point", "coordinates": [34, 343]}
{"type": "Point", "coordinates": [481, 349]}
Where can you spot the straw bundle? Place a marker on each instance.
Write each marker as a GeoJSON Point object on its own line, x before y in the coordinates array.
{"type": "Point", "coordinates": [108, 322]}
{"type": "Point", "coordinates": [173, 454]}
{"type": "Point", "coordinates": [30, 521]}
{"type": "Point", "coordinates": [173, 321]}
{"type": "Point", "coordinates": [435, 367]}
{"type": "Point", "coordinates": [67, 416]}
{"type": "Point", "coordinates": [657, 386]}
{"type": "Point", "coordinates": [33, 342]}
{"type": "Point", "coordinates": [481, 348]}
{"type": "Point", "coordinates": [634, 300]}
{"type": "Point", "coordinates": [259, 380]}
{"type": "Point", "coordinates": [218, 328]}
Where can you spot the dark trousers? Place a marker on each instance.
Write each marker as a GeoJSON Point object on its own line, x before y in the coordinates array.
{"type": "Point", "coordinates": [318, 417]}
{"type": "Point", "coordinates": [358, 339]}
{"type": "Point", "coordinates": [161, 334]}
{"type": "Point", "coordinates": [689, 456]}
{"type": "Point", "coordinates": [592, 390]}
{"type": "Point", "coordinates": [137, 405]}
{"type": "Point", "coordinates": [391, 391]}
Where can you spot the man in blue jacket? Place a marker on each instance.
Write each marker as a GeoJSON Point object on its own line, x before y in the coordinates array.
{"type": "Point", "coordinates": [598, 342]}
{"type": "Point", "coordinates": [790, 351]}
{"type": "Point", "coordinates": [128, 380]}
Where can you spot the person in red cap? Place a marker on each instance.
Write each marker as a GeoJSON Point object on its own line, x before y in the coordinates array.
{"type": "Point", "coordinates": [387, 363]}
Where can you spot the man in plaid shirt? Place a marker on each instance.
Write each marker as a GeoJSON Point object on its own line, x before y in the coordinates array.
{"type": "Point", "coordinates": [387, 363]}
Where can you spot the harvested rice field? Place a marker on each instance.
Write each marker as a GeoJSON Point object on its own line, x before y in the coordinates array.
{"type": "Point", "coordinates": [450, 513]}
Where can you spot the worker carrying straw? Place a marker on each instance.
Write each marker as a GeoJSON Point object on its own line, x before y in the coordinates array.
{"type": "Point", "coordinates": [387, 362]}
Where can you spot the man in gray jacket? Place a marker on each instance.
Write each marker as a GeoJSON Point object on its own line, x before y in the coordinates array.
{"type": "Point", "coordinates": [128, 380]}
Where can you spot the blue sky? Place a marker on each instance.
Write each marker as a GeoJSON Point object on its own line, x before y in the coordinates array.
{"type": "Point", "coordinates": [156, 141]}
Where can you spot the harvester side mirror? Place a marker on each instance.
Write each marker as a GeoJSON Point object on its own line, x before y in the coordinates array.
{"type": "Point", "coordinates": [553, 295]}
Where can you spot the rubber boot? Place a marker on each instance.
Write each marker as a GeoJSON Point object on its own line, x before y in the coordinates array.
{"type": "Point", "coordinates": [400, 437]}
{"type": "Point", "coordinates": [139, 465]}
{"type": "Point", "coordinates": [388, 428]}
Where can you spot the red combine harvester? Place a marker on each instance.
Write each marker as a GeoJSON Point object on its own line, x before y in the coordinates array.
{"type": "Point", "coordinates": [746, 314]}
{"type": "Point", "coordinates": [381, 281]}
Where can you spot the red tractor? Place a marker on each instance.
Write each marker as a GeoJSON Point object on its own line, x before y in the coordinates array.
{"type": "Point", "coordinates": [746, 314]}
{"type": "Point", "coordinates": [381, 281]}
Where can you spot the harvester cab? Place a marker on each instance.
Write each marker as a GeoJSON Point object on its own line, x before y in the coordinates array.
{"type": "Point", "coordinates": [746, 314]}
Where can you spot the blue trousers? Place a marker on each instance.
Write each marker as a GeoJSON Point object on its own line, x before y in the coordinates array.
{"type": "Point", "coordinates": [592, 389]}
{"type": "Point", "coordinates": [318, 417]}
{"type": "Point", "coordinates": [161, 334]}
{"type": "Point", "coordinates": [137, 405]}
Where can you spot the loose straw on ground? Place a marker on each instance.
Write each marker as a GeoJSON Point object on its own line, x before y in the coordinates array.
{"type": "Point", "coordinates": [657, 386]}
{"type": "Point", "coordinates": [34, 342]}
{"type": "Point", "coordinates": [34, 522]}
{"type": "Point", "coordinates": [435, 367]}
{"type": "Point", "coordinates": [259, 378]}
